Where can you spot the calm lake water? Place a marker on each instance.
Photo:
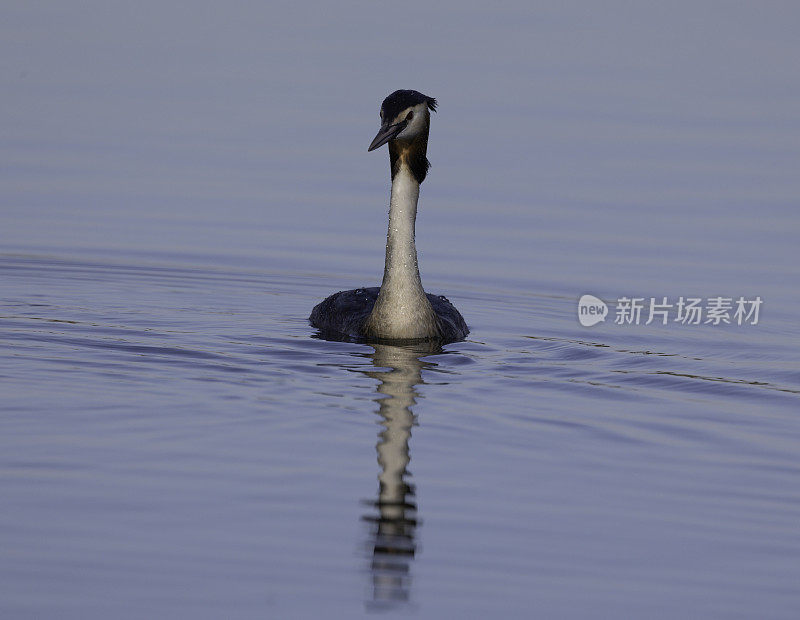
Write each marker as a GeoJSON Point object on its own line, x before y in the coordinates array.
{"type": "Point", "coordinates": [180, 186]}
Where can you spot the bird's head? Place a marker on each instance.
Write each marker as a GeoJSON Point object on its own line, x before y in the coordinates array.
{"type": "Point", "coordinates": [405, 116]}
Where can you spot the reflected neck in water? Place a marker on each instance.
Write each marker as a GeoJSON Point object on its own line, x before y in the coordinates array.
{"type": "Point", "coordinates": [394, 534]}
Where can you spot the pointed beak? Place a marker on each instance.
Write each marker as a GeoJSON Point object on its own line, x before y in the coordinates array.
{"type": "Point", "coordinates": [386, 133]}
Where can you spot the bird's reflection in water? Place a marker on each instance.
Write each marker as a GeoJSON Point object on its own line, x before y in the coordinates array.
{"type": "Point", "coordinates": [394, 523]}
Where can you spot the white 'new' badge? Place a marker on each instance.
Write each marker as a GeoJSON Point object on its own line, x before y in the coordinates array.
{"type": "Point", "coordinates": [591, 310]}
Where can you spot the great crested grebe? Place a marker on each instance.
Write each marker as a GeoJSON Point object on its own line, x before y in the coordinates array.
{"type": "Point", "coordinates": [400, 309]}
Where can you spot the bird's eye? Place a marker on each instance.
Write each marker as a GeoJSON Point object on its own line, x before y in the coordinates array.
{"type": "Point", "coordinates": [410, 116]}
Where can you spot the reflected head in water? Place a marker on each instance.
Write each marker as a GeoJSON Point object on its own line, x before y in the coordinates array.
{"type": "Point", "coordinates": [400, 310]}
{"type": "Point", "coordinates": [393, 532]}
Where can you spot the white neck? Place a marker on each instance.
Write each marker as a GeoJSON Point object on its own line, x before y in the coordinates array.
{"type": "Point", "coordinates": [402, 271]}
{"type": "Point", "coordinates": [402, 310]}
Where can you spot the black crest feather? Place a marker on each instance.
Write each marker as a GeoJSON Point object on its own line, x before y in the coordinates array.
{"type": "Point", "coordinates": [399, 100]}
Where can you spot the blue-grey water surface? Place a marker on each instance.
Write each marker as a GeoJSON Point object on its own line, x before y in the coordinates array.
{"type": "Point", "coordinates": [179, 185]}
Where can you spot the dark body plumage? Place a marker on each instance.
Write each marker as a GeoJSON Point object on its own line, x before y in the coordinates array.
{"type": "Point", "coordinates": [341, 316]}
